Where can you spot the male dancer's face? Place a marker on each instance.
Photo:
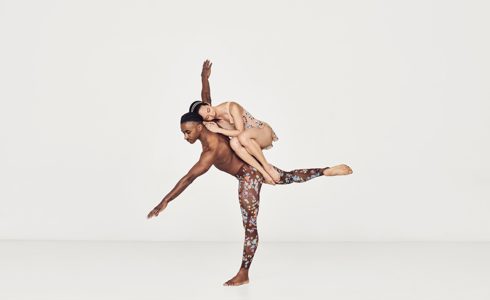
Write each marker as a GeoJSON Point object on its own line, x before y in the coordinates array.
{"type": "Point", "coordinates": [191, 131]}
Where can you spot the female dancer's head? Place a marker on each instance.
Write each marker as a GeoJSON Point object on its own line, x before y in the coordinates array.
{"type": "Point", "coordinates": [207, 112]}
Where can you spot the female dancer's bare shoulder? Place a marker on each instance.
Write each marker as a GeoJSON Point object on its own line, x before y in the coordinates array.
{"type": "Point", "coordinates": [235, 106]}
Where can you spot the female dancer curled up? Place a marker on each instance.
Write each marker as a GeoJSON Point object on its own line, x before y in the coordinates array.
{"type": "Point", "coordinates": [248, 135]}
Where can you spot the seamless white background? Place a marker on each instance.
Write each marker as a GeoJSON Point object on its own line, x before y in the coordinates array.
{"type": "Point", "coordinates": [92, 92]}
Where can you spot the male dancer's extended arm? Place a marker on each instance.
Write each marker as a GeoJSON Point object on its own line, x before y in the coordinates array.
{"type": "Point", "coordinates": [206, 89]}
{"type": "Point", "coordinates": [202, 166]}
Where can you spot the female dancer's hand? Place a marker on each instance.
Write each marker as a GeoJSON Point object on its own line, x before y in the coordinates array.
{"type": "Point", "coordinates": [212, 126]}
{"type": "Point", "coordinates": [154, 212]}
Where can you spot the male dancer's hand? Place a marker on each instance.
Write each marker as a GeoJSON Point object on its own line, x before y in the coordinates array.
{"type": "Point", "coordinates": [157, 209]}
{"type": "Point", "coordinates": [206, 69]}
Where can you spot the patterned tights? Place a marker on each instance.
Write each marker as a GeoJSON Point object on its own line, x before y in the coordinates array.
{"type": "Point", "coordinates": [250, 182]}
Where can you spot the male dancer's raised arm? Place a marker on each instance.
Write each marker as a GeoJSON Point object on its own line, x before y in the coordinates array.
{"type": "Point", "coordinates": [202, 166]}
{"type": "Point", "coordinates": [205, 73]}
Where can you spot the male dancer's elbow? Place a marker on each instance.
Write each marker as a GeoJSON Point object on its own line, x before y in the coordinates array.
{"type": "Point", "coordinates": [193, 174]}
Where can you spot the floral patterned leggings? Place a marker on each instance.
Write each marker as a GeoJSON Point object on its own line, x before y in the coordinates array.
{"type": "Point", "coordinates": [250, 182]}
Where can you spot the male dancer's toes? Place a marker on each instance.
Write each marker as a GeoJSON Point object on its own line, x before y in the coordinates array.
{"type": "Point", "coordinates": [338, 170]}
{"type": "Point", "coordinates": [240, 278]}
{"type": "Point", "coordinates": [273, 173]}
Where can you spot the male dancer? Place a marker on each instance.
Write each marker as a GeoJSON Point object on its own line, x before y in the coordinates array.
{"type": "Point", "coordinates": [216, 151]}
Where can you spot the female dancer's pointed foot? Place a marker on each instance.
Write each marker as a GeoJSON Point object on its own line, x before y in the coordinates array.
{"type": "Point", "coordinates": [239, 279]}
{"type": "Point", "coordinates": [273, 173]}
{"type": "Point", "coordinates": [268, 179]}
{"type": "Point", "coordinates": [338, 170]}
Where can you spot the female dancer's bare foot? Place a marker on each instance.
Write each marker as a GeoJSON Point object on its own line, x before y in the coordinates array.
{"type": "Point", "coordinates": [240, 278]}
{"type": "Point", "coordinates": [338, 170]}
{"type": "Point", "coordinates": [273, 173]}
{"type": "Point", "coordinates": [268, 179]}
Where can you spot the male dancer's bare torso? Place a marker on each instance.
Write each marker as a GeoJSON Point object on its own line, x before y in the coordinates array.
{"type": "Point", "coordinates": [218, 147]}
{"type": "Point", "coordinates": [225, 158]}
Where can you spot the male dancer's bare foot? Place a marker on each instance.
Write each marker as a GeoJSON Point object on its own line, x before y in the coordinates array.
{"type": "Point", "coordinates": [273, 173]}
{"type": "Point", "coordinates": [240, 278]}
{"type": "Point", "coordinates": [338, 170]}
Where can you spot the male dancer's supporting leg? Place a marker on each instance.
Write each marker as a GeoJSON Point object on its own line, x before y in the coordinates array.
{"type": "Point", "coordinates": [250, 183]}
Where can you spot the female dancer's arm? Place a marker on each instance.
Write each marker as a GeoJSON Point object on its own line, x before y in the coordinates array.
{"type": "Point", "coordinates": [213, 127]}
{"type": "Point", "coordinates": [206, 89]}
{"type": "Point", "coordinates": [235, 110]}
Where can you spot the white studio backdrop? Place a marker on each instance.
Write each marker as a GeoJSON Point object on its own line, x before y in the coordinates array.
{"type": "Point", "coordinates": [92, 93]}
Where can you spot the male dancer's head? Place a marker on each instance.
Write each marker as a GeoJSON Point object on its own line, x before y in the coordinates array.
{"type": "Point", "coordinates": [216, 147]}
{"type": "Point", "coordinates": [191, 126]}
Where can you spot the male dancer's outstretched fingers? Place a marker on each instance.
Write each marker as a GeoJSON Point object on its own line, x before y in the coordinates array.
{"type": "Point", "coordinates": [153, 213]}
{"type": "Point", "coordinates": [341, 169]}
{"type": "Point", "coordinates": [206, 68]}
{"type": "Point", "coordinates": [156, 211]}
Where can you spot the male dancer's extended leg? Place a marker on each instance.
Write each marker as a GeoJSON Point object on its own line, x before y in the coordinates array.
{"type": "Point", "coordinates": [299, 175]}
{"type": "Point", "coordinates": [250, 183]}
{"type": "Point", "coordinates": [302, 175]}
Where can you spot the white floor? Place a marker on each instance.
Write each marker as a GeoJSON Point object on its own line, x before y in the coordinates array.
{"type": "Point", "coordinates": [153, 270]}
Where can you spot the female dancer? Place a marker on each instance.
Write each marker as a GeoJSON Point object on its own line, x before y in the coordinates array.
{"type": "Point", "coordinates": [248, 135]}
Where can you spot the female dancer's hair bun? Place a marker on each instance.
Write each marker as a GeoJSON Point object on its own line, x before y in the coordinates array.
{"type": "Point", "coordinates": [196, 105]}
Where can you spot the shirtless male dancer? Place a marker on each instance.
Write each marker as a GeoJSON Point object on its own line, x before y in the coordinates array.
{"type": "Point", "coordinates": [216, 151]}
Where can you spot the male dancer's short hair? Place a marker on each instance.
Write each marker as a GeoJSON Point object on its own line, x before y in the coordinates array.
{"type": "Point", "coordinates": [191, 117]}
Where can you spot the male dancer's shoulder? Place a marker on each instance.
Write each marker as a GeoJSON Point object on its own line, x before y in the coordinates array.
{"type": "Point", "coordinates": [209, 155]}
{"type": "Point", "coordinates": [206, 160]}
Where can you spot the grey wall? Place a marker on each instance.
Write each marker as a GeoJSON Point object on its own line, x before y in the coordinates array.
{"type": "Point", "coordinates": [92, 91]}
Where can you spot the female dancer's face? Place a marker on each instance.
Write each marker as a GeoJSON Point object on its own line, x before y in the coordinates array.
{"type": "Point", "coordinates": [207, 112]}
